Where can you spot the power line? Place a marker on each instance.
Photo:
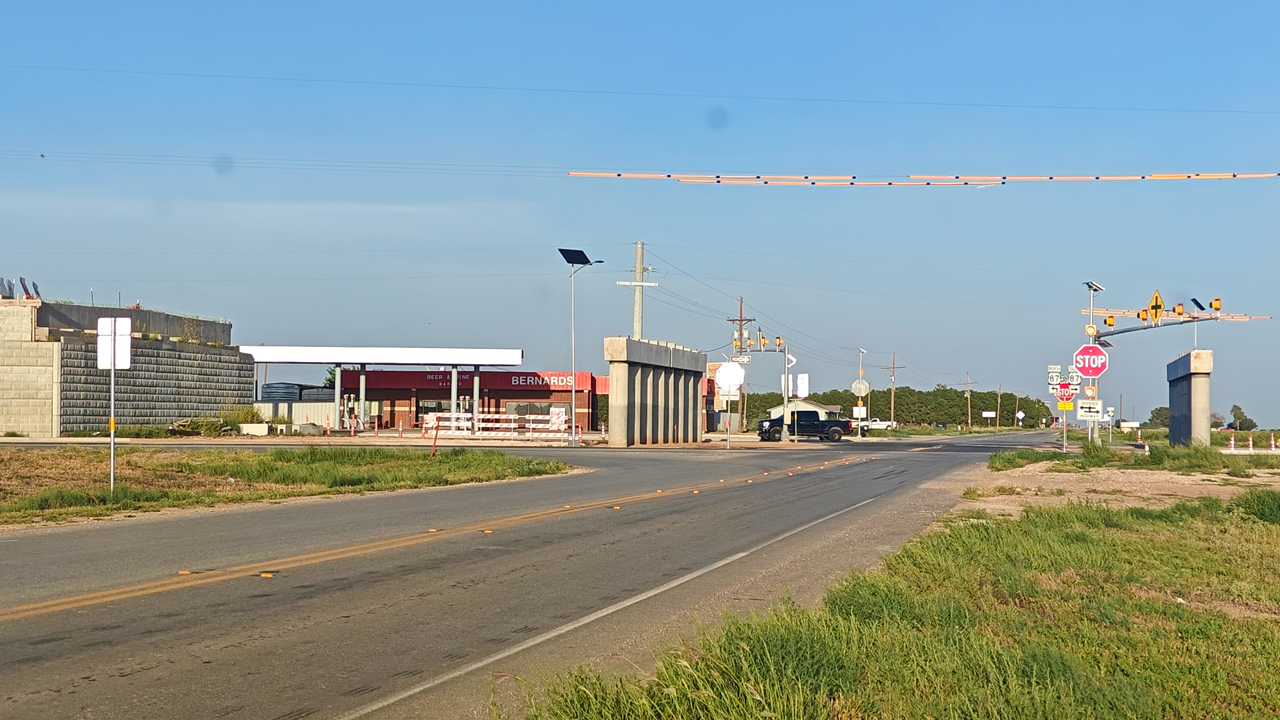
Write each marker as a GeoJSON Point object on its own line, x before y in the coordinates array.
{"type": "Point", "coordinates": [630, 93]}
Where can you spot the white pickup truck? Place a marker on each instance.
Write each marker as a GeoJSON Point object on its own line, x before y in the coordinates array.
{"type": "Point", "coordinates": [878, 424]}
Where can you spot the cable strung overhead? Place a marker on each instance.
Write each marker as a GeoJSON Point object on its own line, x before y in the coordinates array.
{"type": "Point", "coordinates": [912, 180]}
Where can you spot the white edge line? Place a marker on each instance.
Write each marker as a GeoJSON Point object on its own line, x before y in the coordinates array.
{"type": "Point", "coordinates": [587, 619]}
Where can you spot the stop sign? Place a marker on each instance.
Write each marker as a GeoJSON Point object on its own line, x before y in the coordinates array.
{"type": "Point", "coordinates": [1091, 361]}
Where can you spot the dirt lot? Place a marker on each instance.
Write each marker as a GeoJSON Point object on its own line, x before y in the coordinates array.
{"type": "Point", "coordinates": [1004, 493]}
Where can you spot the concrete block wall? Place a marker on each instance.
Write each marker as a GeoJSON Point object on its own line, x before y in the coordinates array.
{"type": "Point", "coordinates": [28, 387]}
{"type": "Point", "coordinates": [17, 321]}
{"type": "Point", "coordinates": [168, 381]}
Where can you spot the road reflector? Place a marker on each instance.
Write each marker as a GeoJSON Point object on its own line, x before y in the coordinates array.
{"type": "Point", "coordinates": [721, 479]}
{"type": "Point", "coordinates": [266, 575]}
{"type": "Point", "coordinates": [184, 572]}
{"type": "Point", "coordinates": [488, 532]}
{"type": "Point", "coordinates": [748, 480]}
{"type": "Point", "coordinates": [568, 506]}
{"type": "Point", "coordinates": [695, 492]}
{"type": "Point", "coordinates": [659, 491]}
{"type": "Point", "coordinates": [432, 530]}
{"type": "Point", "coordinates": [617, 507]}
{"type": "Point", "coordinates": [789, 473]}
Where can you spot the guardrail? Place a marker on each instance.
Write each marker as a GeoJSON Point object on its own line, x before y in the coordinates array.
{"type": "Point", "coordinates": [495, 425]}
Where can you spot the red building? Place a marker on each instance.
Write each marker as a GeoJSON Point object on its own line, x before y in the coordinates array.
{"type": "Point", "coordinates": [404, 396]}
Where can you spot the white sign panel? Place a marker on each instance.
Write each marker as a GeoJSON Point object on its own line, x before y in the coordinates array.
{"type": "Point", "coordinates": [117, 334]}
{"type": "Point", "coordinates": [729, 376]}
{"type": "Point", "coordinates": [1089, 410]}
{"type": "Point", "coordinates": [859, 413]}
{"type": "Point", "coordinates": [802, 385]}
{"type": "Point", "coordinates": [1019, 414]}
{"type": "Point", "coordinates": [988, 413]}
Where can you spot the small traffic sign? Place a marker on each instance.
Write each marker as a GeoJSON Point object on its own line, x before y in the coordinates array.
{"type": "Point", "coordinates": [1019, 414]}
{"type": "Point", "coordinates": [1090, 392]}
{"type": "Point", "coordinates": [1156, 307]}
{"type": "Point", "coordinates": [1065, 392]}
{"type": "Point", "coordinates": [741, 359]}
{"type": "Point", "coordinates": [1089, 410]}
{"type": "Point", "coordinates": [1090, 361]}
{"type": "Point", "coordinates": [1065, 406]}
{"type": "Point", "coordinates": [861, 387]}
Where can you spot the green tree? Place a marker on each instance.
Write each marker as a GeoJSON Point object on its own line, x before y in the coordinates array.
{"type": "Point", "coordinates": [1240, 421]}
{"type": "Point", "coordinates": [1159, 418]}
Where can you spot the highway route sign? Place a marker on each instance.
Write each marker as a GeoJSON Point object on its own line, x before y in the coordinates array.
{"type": "Point", "coordinates": [1090, 361]}
{"type": "Point", "coordinates": [861, 387]}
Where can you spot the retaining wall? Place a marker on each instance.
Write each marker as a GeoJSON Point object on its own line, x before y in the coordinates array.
{"type": "Point", "coordinates": [168, 381]}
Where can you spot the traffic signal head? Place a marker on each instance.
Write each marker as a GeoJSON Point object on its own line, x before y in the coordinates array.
{"type": "Point", "coordinates": [1110, 321]}
{"type": "Point", "coordinates": [764, 341]}
{"type": "Point", "coordinates": [1142, 314]}
{"type": "Point", "coordinates": [750, 342]}
{"type": "Point", "coordinates": [737, 344]}
{"type": "Point", "coordinates": [778, 341]}
{"type": "Point", "coordinates": [1216, 304]}
{"type": "Point", "coordinates": [1178, 309]}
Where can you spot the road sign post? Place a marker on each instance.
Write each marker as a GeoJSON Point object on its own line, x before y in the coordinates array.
{"type": "Point", "coordinates": [729, 377]}
{"type": "Point", "coordinates": [115, 339]}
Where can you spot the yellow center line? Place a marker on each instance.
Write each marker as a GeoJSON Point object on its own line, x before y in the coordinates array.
{"type": "Point", "coordinates": [194, 579]}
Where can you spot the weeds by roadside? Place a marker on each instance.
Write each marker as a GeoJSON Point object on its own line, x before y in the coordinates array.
{"type": "Point", "coordinates": [1077, 611]}
{"type": "Point", "coordinates": [57, 484]}
{"type": "Point", "coordinates": [1191, 459]}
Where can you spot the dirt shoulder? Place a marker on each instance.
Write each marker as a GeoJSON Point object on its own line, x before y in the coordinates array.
{"type": "Point", "coordinates": [1005, 493]}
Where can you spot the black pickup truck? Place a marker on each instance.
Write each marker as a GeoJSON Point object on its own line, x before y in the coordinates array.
{"type": "Point", "coordinates": [805, 423]}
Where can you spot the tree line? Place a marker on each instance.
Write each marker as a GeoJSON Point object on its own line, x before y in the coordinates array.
{"type": "Point", "coordinates": [919, 407]}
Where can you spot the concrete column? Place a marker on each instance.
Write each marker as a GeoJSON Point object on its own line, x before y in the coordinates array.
{"type": "Point", "coordinates": [475, 399]}
{"type": "Point", "coordinates": [682, 414]}
{"type": "Point", "coordinates": [621, 423]}
{"type": "Point", "coordinates": [1188, 378]}
{"type": "Point", "coordinates": [700, 404]}
{"type": "Point", "coordinates": [337, 397]}
{"type": "Point", "coordinates": [644, 404]}
{"type": "Point", "coordinates": [364, 406]}
{"type": "Point", "coordinates": [453, 389]}
{"type": "Point", "coordinates": [635, 381]}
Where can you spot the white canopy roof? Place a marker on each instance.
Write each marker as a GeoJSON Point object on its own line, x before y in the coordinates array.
{"type": "Point", "coordinates": [297, 354]}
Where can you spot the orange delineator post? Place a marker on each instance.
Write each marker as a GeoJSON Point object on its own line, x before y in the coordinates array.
{"type": "Point", "coordinates": [1233, 439]}
{"type": "Point", "coordinates": [400, 428]}
{"type": "Point", "coordinates": [1250, 440]}
{"type": "Point", "coordinates": [326, 425]}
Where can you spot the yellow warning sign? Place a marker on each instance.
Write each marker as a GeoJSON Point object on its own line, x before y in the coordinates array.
{"type": "Point", "coordinates": [1156, 307]}
{"type": "Point", "coordinates": [1066, 406]}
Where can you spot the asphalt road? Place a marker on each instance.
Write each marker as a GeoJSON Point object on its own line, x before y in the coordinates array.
{"type": "Point", "coordinates": [336, 607]}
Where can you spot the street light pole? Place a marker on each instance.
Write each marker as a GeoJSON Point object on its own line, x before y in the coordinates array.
{"type": "Point", "coordinates": [578, 260]}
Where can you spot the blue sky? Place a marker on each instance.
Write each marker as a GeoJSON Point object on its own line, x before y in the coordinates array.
{"type": "Point", "coordinates": [416, 196]}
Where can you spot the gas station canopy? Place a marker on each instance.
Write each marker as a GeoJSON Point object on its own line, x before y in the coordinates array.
{"type": "Point", "coordinates": [303, 355]}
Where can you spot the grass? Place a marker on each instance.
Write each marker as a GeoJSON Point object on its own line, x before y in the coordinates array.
{"type": "Point", "coordinates": [1071, 612]}
{"type": "Point", "coordinates": [71, 482]}
{"type": "Point", "coordinates": [1183, 459]}
{"type": "Point", "coordinates": [1010, 459]}
{"type": "Point", "coordinates": [907, 431]}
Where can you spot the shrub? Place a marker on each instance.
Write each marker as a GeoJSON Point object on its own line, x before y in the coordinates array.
{"type": "Point", "coordinates": [1262, 504]}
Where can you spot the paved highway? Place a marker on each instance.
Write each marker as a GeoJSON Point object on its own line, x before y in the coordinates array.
{"type": "Point", "coordinates": [398, 604]}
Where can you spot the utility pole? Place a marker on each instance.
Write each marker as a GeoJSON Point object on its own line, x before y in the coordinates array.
{"type": "Point", "coordinates": [999, 392]}
{"type": "Point", "coordinates": [968, 398]}
{"type": "Point", "coordinates": [893, 369]}
{"type": "Point", "coordinates": [638, 285]}
{"type": "Point", "coordinates": [741, 342]}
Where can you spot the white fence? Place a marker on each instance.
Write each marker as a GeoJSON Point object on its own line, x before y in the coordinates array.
{"type": "Point", "coordinates": [495, 425]}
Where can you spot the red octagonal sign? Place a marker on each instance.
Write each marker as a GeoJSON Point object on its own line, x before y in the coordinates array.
{"type": "Point", "coordinates": [1091, 361]}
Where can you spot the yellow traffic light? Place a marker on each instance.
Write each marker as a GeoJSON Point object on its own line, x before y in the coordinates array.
{"type": "Point", "coordinates": [1142, 314]}
{"type": "Point", "coordinates": [764, 341]}
{"type": "Point", "coordinates": [778, 341]}
{"type": "Point", "coordinates": [750, 342]}
{"type": "Point", "coordinates": [1110, 321]}
{"type": "Point", "coordinates": [1216, 304]}
{"type": "Point", "coordinates": [1178, 309]}
{"type": "Point", "coordinates": [737, 343]}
